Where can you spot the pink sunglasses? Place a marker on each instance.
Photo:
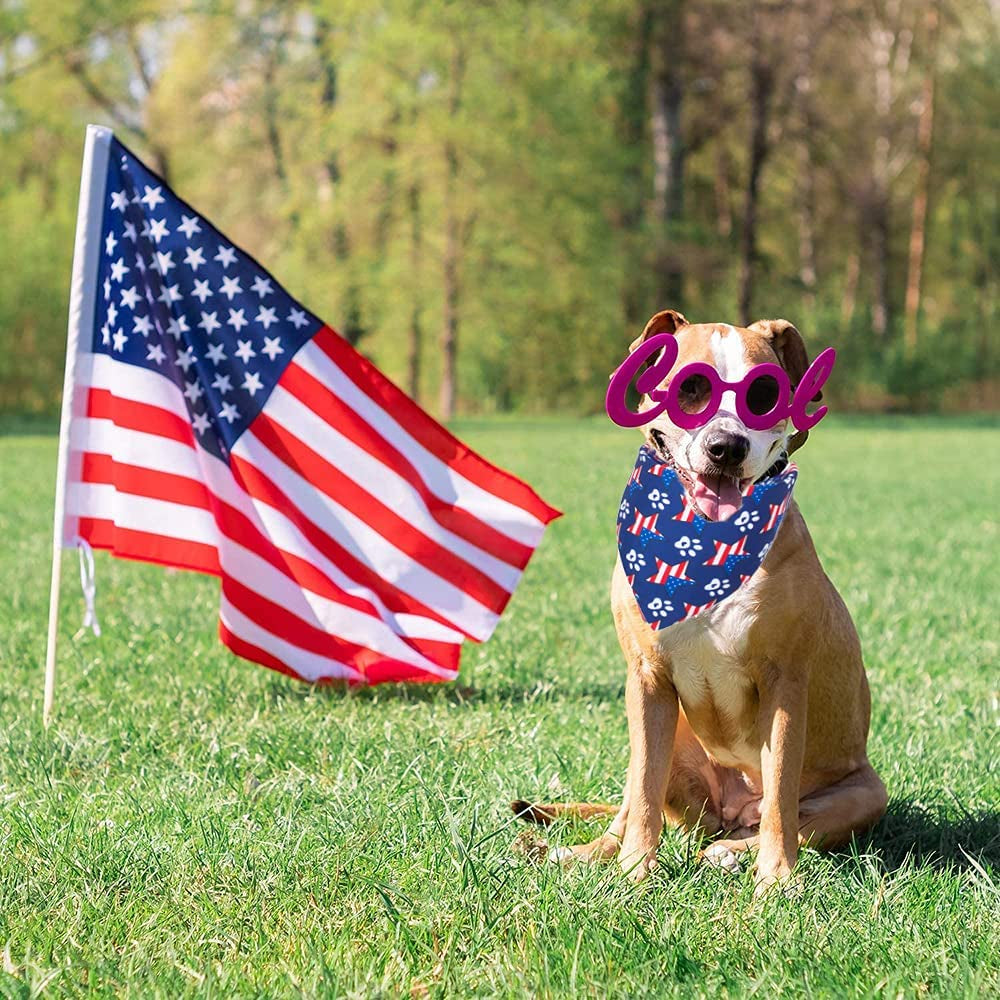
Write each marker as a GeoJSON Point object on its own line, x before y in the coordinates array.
{"type": "Point", "coordinates": [764, 395]}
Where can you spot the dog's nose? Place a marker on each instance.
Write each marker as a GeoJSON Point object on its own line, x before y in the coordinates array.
{"type": "Point", "coordinates": [728, 450]}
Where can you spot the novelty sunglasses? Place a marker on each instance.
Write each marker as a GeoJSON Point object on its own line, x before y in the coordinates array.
{"type": "Point", "coordinates": [764, 396]}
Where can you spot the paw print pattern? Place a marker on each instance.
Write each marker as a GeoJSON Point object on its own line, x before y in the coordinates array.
{"type": "Point", "coordinates": [717, 587]}
{"type": "Point", "coordinates": [659, 608]}
{"type": "Point", "coordinates": [623, 508]}
{"type": "Point", "coordinates": [657, 500]}
{"type": "Point", "coordinates": [635, 560]}
{"type": "Point", "coordinates": [687, 546]}
{"type": "Point", "coordinates": [746, 520]}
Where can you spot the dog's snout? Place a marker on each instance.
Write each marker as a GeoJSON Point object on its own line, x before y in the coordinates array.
{"type": "Point", "coordinates": [728, 450]}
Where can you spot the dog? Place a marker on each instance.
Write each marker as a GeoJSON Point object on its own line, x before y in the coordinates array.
{"type": "Point", "coordinates": [750, 720]}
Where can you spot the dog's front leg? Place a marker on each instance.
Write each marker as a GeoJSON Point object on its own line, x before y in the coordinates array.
{"type": "Point", "coordinates": [651, 708]}
{"type": "Point", "coordinates": [782, 721]}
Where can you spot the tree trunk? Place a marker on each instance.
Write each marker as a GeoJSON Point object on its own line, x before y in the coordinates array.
{"type": "Point", "coordinates": [452, 247]}
{"type": "Point", "coordinates": [850, 290]}
{"type": "Point", "coordinates": [723, 209]}
{"type": "Point", "coordinates": [918, 230]}
{"type": "Point", "coordinates": [632, 121]}
{"type": "Point", "coordinates": [666, 94]}
{"type": "Point", "coordinates": [352, 326]}
{"type": "Point", "coordinates": [883, 36]}
{"type": "Point", "coordinates": [761, 89]}
{"type": "Point", "coordinates": [416, 327]}
{"type": "Point", "coordinates": [806, 186]}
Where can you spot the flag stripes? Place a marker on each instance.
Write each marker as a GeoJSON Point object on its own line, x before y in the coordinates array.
{"type": "Point", "coordinates": [365, 577]}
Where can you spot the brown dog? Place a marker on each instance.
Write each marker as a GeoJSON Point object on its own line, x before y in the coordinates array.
{"type": "Point", "coordinates": [752, 718]}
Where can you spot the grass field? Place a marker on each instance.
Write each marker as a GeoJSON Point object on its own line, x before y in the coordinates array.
{"type": "Point", "coordinates": [195, 825]}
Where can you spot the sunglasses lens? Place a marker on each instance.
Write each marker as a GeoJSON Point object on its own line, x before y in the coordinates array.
{"type": "Point", "coordinates": [694, 393]}
{"type": "Point", "coordinates": [762, 394]}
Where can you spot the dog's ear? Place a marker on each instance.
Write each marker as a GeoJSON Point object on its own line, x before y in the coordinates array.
{"type": "Point", "coordinates": [787, 343]}
{"type": "Point", "coordinates": [667, 321]}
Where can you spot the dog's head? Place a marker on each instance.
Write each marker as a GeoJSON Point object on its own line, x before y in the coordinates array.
{"type": "Point", "coordinates": [718, 460]}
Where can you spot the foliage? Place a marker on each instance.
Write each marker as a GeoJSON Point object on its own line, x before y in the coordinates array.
{"type": "Point", "coordinates": [193, 825]}
{"type": "Point", "coordinates": [387, 157]}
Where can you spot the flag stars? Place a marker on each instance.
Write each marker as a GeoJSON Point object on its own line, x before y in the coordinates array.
{"type": "Point", "coordinates": [245, 351]}
{"type": "Point", "coordinates": [222, 383]}
{"type": "Point", "coordinates": [155, 353]}
{"type": "Point", "coordinates": [143, 325]}
{"type": "Point", "coordinates": [200, 422]}
{"type": "Point", "coordinates": [119, 201]}
{"type": "Point", "coordinates": [130, 233]}
{"type": "Point", "coordinates": [152, 197]}
{"type": "Point", "coordinates": [202, 291]}
{"type": "Point", "coordinates": [225, 256]}
{"type": "Point", "coordinates": [252, 383]}
{"type": "Point", "coordinates": [107, 288]}
{"type": "Point", "coordinates": [112, 313]}
{"type": "Point", "coordinates": [169, 294]}
{"type": "Point", "coordinates": [272, 347]}
{"type": "Point", "coordinates": [266, 317]}
{"type": "Point", "coordinates": [215, 354]}
{"type": "Point", "coordinates": [185, 360]}
{"type": "Point", "coordinates": [229, 412]}
{"type": "Point", "coordinates": [158, 229]}
{"type": "Point", "coordinates": [189, 226]}
{"type": "Point", "coordinates": [209, 323]}
{"type": "Point", "coordinates": [193, 390]}
{"type": "Point", "coordinates": [164, 261]}
{"type": "Point", "coordinates": [194, 257]}
{"type": "Point", "coordinates": [262, 286]}
{"type": "Point", "coordinates": [297, 318]}
{"type": "Point", "coordinates": [130, 298]}
{"type": "Point", "coordinates": [237, 321]}
{"type": "Point", "coordinates": [118, 269]}
{"type": "Point", "coordinates": [120, 339]}
{"type": "Point", "coordinates": [110, 243]}
{"type": "Point", "coordinates": [177, 326]}
{"type": "Point", "coordinates": [230, 287]}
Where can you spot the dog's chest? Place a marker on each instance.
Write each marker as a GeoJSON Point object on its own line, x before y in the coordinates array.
{"type": "Point", "coordinates": [708, 661]}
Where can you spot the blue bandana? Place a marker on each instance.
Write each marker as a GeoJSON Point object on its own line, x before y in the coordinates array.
{"type": "Point", "coordinates": [678, 563]}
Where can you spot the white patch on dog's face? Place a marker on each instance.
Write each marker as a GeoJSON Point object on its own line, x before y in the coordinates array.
{"type": "Point", "coordinates": [728, 356]}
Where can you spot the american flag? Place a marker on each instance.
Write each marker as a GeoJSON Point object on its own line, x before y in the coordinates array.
{"type": "Point", "coordinates": [724, 551]}
{"type": "Point", "coordinates": [777, 511]}
{"type": "Point", "coordinates": [218, 425]}
{"type": "Point", "coordinates": [641, 524]}
{"type": "Point", "coordinates": [665, 571]}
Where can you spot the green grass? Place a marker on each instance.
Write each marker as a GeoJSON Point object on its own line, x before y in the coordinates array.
{"type": "Point", "coordinates": [193, 824]}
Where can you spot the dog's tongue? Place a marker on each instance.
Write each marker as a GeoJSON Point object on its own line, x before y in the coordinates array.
{"type": "Point", "coordinates": [718, 497]}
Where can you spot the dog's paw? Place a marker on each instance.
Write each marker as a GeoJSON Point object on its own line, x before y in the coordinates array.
{"type": "Point", "coordinates": [563, 855]}
{"type": "Point", "coordinates": [637, 865]}
{"type": "Point", "coordinates": [720, 856]}
{"type": "Point", "coordinates": [781, 882]}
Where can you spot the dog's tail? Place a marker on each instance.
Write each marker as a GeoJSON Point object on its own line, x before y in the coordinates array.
{"type": "Point", "coordinates": [545, 813]}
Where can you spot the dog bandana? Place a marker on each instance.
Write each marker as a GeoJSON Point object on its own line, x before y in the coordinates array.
{"type": "Point", "coordinates": [678, 562]}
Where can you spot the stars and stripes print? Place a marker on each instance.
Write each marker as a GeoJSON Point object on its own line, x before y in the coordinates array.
{"type": "Point", "coordinates": [220, 426]}
{"type": "Point", "coordinates": [681, 564]}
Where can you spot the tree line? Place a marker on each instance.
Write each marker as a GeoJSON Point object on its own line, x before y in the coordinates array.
{"type": "Point", "coordinates": [489, 199]}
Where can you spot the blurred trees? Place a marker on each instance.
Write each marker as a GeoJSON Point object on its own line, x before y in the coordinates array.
{"type": "Point", "coordinates": [489, 198]}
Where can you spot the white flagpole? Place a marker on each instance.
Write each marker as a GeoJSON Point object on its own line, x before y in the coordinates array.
{"type": "Point", "coordinates": [82, 299]}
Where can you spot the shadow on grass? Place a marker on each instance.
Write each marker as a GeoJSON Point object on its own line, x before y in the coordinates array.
{"type": "Point", "coordinates": [497, 694]}
{"type": "Point", "coordinates": [934, 838]}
